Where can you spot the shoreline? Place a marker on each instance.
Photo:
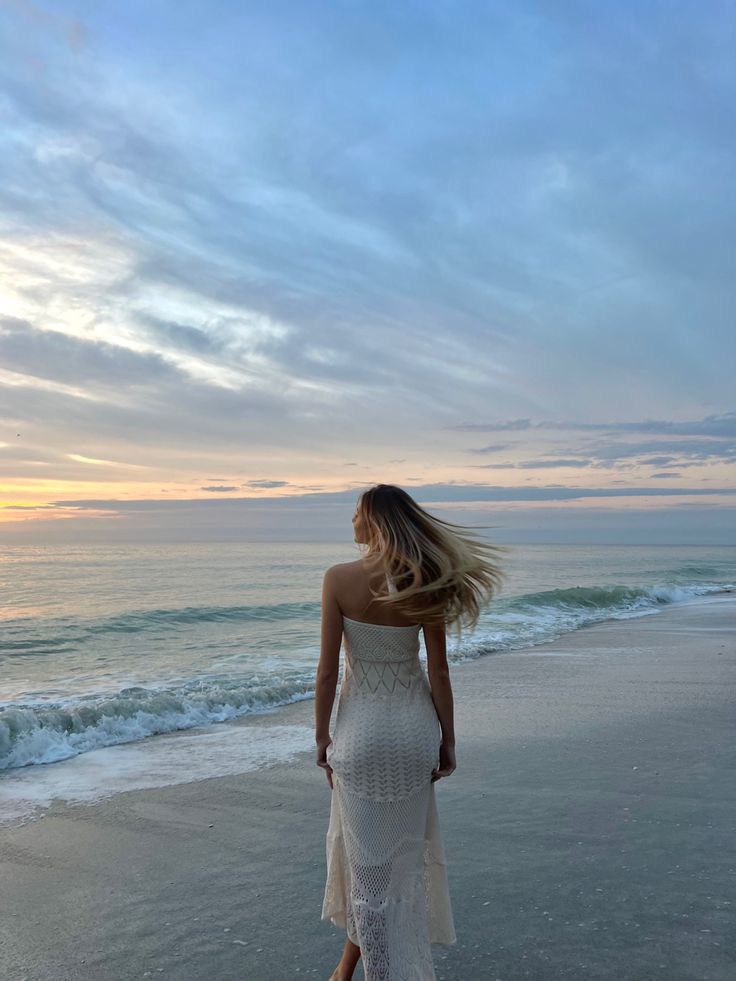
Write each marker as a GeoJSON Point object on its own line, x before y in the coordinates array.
{"type": "Point", "coordinates": [110, 750]}
{"type": "Point", "coordinates": [588, 831]}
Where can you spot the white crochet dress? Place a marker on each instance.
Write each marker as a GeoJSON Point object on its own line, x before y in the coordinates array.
{"type": "Point", "coordinates": [386, 874]}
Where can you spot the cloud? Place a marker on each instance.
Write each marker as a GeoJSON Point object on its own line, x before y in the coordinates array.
{"type": "Point", "coordinates": [712, 425]}
{"type": "Point", "coordinates": [536, 464]}
{"type": "Point", "coordinates": [170, 334]}
{"type": "Point", "coordinates": [266, 483]}
{"type": "Point", "coordinates": [425, 494]}
{"type": "Point", "coordinates": [227, 520]}
{"type": "Point", "coordinates": [384, 232]}
{"type": "Point", "coordinates": [712, 439]}
{"type": "Point", "coordinates": [60, 357]}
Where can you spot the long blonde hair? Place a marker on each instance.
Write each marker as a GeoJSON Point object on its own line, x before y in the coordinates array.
{"type": "Point", "coordinates": [443, 573]}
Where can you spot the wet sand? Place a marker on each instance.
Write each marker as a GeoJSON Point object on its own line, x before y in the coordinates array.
{"type": "Point", "coordinates": [590, 833]}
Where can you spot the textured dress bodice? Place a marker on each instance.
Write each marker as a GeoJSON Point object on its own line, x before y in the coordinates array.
{"type": "Point", "coordinates": [380, 656]}
{"type": "Point", "coordinates": [387, 737]}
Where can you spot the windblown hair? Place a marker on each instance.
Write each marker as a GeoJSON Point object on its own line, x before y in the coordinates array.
{"type": "Point", "coordinates": [442, 571]}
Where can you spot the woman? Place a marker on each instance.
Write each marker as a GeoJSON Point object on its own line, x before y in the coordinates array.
{"type": "Point", "coordinates": [394, 736]}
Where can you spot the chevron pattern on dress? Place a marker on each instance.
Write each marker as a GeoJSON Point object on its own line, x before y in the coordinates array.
{"type": "Point", "coordinates": [381, 641]}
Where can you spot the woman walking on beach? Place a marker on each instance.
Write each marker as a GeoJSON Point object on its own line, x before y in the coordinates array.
{"type": "Point", "coordinates": [394, 728]}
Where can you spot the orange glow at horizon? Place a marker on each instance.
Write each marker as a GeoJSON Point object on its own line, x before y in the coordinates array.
{"type": "Point", "coordinates": [37, 500]}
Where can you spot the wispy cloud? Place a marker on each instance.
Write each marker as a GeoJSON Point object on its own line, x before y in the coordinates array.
{"type": "Point", "coordinates": [294, 243]}
{"type": "Point", "coordinates": [712, 425]}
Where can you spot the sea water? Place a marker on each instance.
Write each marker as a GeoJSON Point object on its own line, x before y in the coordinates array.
{"type": "Point", "coordinates": [111, 647]}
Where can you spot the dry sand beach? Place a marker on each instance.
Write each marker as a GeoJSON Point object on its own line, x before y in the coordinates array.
{"type": "Point", "coordinates": [589, 832]}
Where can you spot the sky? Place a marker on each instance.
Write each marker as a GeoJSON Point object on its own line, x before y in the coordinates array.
{"type": "Point", "coordinates": [256, 257]}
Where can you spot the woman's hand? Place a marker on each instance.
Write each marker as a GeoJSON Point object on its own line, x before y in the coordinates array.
{"type": "Point", "coordinates": [322, 745]}
{"type": "Point", "coordinates": [447, 762]}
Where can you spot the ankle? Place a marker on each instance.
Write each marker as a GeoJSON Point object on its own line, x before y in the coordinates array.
{"type": "Point", "coordinates": [344, 972]}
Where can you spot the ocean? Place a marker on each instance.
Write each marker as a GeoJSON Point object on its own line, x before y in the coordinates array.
{"type": "Point", "coordinates": [111, 647]}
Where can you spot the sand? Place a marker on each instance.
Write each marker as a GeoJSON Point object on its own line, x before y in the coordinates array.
{"type": "Point", "coordinates": [589, 831]}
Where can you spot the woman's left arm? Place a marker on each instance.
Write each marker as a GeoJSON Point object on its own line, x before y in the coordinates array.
{"type": "Point", "coordinates": [329, 659]}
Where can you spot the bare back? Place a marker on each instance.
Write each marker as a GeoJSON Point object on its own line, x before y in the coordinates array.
{"type": "Point", "coordinates": [354, 598]}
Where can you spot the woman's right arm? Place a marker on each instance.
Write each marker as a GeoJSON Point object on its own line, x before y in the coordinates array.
{"type": "Point", "coordinates": [439, 679]}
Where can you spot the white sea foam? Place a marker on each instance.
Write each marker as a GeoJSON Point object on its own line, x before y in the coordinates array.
{"type": "Point", "coordinates": [182, 757]}
{"type": "Point", "coordinates": [126, 647]}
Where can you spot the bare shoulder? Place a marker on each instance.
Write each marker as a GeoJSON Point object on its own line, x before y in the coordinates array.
{"type": "Point", "coordinates": [342, 570]}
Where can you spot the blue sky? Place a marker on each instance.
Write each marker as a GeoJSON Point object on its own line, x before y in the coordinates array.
{"type": "Point", "coordinates": [258, 256]}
